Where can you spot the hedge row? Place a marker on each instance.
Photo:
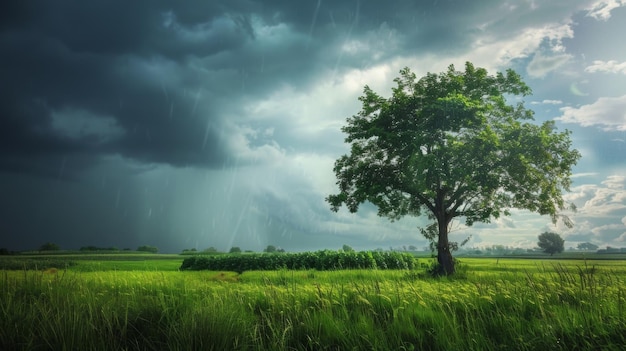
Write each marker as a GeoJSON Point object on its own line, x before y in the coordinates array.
{"type": "Point", "coordinates": [34, 263]}
{"type": "Point", "coordinates": [319, 260]}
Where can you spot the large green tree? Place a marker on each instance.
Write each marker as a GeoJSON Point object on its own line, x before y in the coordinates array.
{"type": "Point", "coordinates": [449, 145]}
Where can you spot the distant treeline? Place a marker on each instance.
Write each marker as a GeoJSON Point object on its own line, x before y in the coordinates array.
{"type": "Point", "coordinates": [612, 250]}
{"type": "Point", "coordinates": [96, 248]}
{"type": "Point", "coordinates": [143, 248]}
{"type": "Point", "coordinates": [5, 251]}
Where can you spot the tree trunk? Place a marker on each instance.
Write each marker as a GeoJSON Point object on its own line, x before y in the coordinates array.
{"type": "Point", "coordinates": [444, 256]}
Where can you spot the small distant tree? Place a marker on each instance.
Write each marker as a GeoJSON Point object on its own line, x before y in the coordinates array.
{"type": "Point", "coordinates": [347, 248]}
{"type": "Point", "coordinates": [235, 249]}
{"type": "Point", "coordinates": [210, 250]}
{"type": "Point", "coordinates": [270, 249]}
{"type": "Point", "coordinates": [148, 248]}
{"type": "Point", "coordinates": [412, 248]}
{"type": "Point", "coordinates": [587, 246]}
{"type": "Point", "coordinates": [551, 243]}
{"type": "Point", "coordinates": [49, 247]}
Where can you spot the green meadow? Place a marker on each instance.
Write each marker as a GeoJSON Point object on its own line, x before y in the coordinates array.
{"type": "Point", "coordinates": [144, 302]}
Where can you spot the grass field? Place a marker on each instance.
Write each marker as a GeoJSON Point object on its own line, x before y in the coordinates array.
{"type": "Point", "coordinates": [145, 303]}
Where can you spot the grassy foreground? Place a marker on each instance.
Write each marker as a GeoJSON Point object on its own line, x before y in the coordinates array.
{"type": "Point", "coordinates": [494, 305]}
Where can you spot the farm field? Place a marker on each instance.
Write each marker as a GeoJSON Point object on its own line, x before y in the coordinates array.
{"type": "Point", "coordinates": [145, 303]}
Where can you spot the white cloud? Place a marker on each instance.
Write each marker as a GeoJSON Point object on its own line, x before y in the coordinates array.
{"type": "Point", "coordinates": [547, 102]}
{"type": "Point", "coordinates": [542, 64]}
{"type": "Point", "coordinates": [611, 66]}
{"type": "Point", "coordinates": [523, 43]}
{"type": "Point", "coordinates": [601, 10]}
{"type": "Point", "coordinates": [615, 182]}
{"type": "Point", "coordinates": [601, 209]}
{"type": "Point", "coordinates": [586, 174]}
{"type": "Point", "coordinates": [253, 145]}
{"type": "Point", "coordinates": [607, 112]}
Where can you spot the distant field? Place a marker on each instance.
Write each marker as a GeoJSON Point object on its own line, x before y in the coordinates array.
{"type": "Point", "coordinates": [94, 262]}
{"type": "Point", "coordinates": [142, 302]}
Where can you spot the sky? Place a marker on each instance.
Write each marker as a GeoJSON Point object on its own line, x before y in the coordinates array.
{"type": "Point", "coordinates": [191, 124]}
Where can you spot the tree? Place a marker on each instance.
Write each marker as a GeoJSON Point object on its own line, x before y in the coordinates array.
{"type": "Point", "coordinates": [450, 146]}
{"type": "Point", "coordinates": [551, 243]}
{"type": "Point", "coordinates": [347, 248]}
{"type": "Point", "coordinates": [270, 249]}
{"type": "Point", "coordinates": [148, 248]}
{"type": "Point", "coordinates": [235, 249]}
{"type": "Point", "coordinates": [49, 247]}
{"type": "Point", "coordinates": [587, 246]}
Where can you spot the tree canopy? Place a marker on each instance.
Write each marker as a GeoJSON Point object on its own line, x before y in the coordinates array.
{"type": "Point", "coordinates": [49, 247]}
{"type": "Point", "coordinates": [449, 145]}
{"type": "Point", "coordinates": [551, 243]}
{"type": "Point", "coordinates": [587, 246]}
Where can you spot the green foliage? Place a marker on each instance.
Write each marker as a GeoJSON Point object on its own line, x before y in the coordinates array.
{"type": "Point", "coordinates": [270, 249]}
{"type": "Point", "coordinates": [551, 243]}
{"type": "Point", "coordinates": [449, 145]}
{"type": "Point", "coordinates": [347, 248]}
{"type": "Point", "coordinates": [92, 248]}
{"type": "Point", "coordinates": [148, 248]}
{"type": "Point", "coordinates": [235, 249]}
{"type": "Point", "coordinates": [320, 260]}
{"type": "Point", "coordinates": [49, 247]}
{"type": "Point", "coordinates": [4, 252]}
{"type": "Point", "coordinates": [587, 246]}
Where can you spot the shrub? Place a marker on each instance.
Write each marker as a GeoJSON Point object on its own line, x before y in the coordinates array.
{"type": "Point", "coordinates": [148, 248]}
{"type": "Point", "coordinates": [319, 260]}
{"type": "Point", "coordinates": [49, 247]}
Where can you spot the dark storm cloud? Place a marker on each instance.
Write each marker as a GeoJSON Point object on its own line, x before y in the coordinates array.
{"type": "Point", "coordinates": [96, 58]}
{"type": "Point", "coordinates": [166, 74]}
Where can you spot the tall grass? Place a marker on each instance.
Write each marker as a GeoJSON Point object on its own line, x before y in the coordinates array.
{"type": "Point", "coordinates": [555, 306]}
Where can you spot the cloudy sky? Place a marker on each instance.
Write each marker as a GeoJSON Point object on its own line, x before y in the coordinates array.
{"type": "Point", "coordinates": [184, 124]}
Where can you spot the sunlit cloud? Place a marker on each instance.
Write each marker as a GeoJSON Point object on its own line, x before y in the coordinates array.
{"type": "Point", "coordinates": [581, 175]}
{"type": "Point", "coordinates": [601, 10]}
{"type": "Point", "coordinates": [608, 113]}
{"type": "Point", "coordinates": [611, 66]}
{"type": "Point", "coordinates": [600, 210]}
{"type": "Point", "coordinates": [547, 102]}
{"type": "Point", "coordinates": [504, 48]}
